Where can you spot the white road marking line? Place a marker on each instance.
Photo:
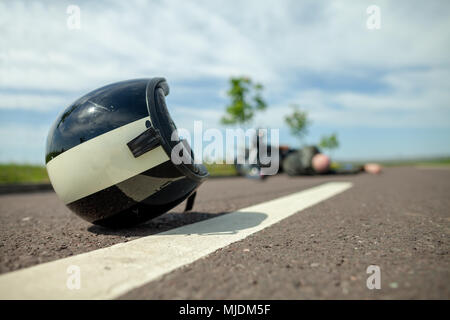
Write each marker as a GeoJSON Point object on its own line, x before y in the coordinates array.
{"type": "Point", "coordinates": [110, 272]}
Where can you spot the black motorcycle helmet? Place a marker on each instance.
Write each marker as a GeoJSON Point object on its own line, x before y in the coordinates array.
{"type": "Point", "coordinates": [109, 155]}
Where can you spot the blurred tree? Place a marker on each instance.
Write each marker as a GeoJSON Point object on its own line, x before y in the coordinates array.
{"type": "Point", "coordinates": [329, 142]}
{"type": "Point", "coordinates": [298, 122]}
{"type": "Point", "coordinates": [246, 99]}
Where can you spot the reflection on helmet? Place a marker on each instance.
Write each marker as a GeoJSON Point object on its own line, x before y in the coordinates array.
{"type": "Point", "coordinates": [108, 155]}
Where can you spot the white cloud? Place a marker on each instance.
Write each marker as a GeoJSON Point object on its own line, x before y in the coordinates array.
{"type": "Point", "coordinates": [184, 117]}
{"type": "Point", "coordinates": [194, 39]}
{"type": "Point", "coordinates": [418, 99]}
{"type": "Point", "coordinates": [37, 102]}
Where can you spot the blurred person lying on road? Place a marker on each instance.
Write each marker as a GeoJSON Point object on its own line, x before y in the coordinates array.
{"type": "Point", "coordinates": [310, 161]}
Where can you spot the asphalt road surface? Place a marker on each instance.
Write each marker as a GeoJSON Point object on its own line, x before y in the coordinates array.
{"type": "Point", "coordinates": [399, 221]}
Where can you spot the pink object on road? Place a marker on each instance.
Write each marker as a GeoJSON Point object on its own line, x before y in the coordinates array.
{"type": "Point", "coordinates": [321, 163]}
{"type": "Point", "coordinates": [373, 168]}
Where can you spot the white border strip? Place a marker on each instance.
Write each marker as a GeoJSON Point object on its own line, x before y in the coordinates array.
{"type": "Point", "coordinates": [101, 162]}
{"type": "Point", "coordinates": [110, 272]}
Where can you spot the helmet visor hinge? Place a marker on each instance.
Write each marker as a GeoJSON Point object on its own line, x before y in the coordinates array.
{"type": "Point", "coordinates": [146, 141]}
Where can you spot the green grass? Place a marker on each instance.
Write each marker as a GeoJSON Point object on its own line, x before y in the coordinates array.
{"type": "Point", "coordinates": [221, 170]}
{"type": "Point", "coordinates": [424, 162]}
{"type": "Point", "coordinates": [398, 163]}
{"type": "Point", "coordinates": [23, 173]}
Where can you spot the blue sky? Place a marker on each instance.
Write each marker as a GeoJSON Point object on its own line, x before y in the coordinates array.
{"type": "Point", "coordinates": [385, 92]}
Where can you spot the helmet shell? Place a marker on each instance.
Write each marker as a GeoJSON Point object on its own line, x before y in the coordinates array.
{"type": "Point", "coordinates": [93, 168]}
